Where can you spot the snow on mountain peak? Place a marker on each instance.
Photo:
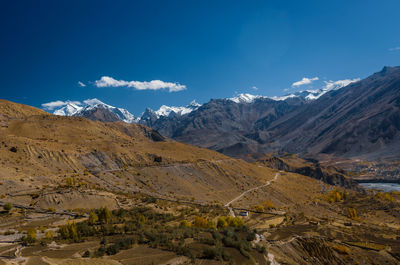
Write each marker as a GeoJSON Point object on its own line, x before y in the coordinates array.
{"type": "Point", "coordinates": [245, 98]}
{"type": "Point", "coordinates": [313, 94]}
{"type": "Point", "coordinates": [73, 109]}
{"type": "Point", "coordinates": [194, 104]}
{"type": "Point", "coordinates": [284, 97]}
{"type": "Point", "coordinates": [94, 101]}
{"type": "Point", "coordinates": [172, 110]}
{"type": "Point", "coordinates": [68, 110]}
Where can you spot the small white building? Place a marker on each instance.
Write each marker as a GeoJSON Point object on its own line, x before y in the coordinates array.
{"type": "Point", "coordinates": [244, 213]}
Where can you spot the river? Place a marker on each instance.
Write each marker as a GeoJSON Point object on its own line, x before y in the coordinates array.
{"type": "Point", "coordinates": [386, 187]}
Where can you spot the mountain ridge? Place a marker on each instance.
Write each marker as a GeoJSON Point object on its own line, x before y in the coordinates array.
{"type": "Point", "coordinates": [344, 116]}
{"type": "Point", "coordinates": [76, 109]}
{"type": "Point", "coordinates": [359, 120]}
{"type": "Point", "coordinates": [298, 122]}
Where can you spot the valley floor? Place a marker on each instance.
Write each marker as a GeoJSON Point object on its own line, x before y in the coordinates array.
{"type": "Point", "coordinates": [291, 220]}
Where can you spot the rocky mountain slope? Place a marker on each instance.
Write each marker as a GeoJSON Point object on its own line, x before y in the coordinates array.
{"type": "Point", "coordinates": [362, 119]}
{"type": "Point", "coordinates": [311, 168]}
{"type": "Point", "coordinates": [223, 123]}
{"type": "Point", "coordinates": [359, 120]}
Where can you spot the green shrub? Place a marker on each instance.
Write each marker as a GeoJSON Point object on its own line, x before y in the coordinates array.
{"type": "Point", "coordinates": [251, 236]}
{"type": "Point", "coordinates": [69, 231]}
{"type": "Point", "coordinates": [30, 237]}
{"type": "Point", "coordinates": [7, 207]}
{"type": "Point", "coordinates": [261, 249]}
{"type": "Point", "coordinates": [104, 215]}
{"type": "Point", "coordinates": [93, 218]}
{"type": "Point", "coordinates": [207, 241]}
{"type": "Point", "coordinates": [212, 253]}
{"type": "Point", "coordinates": [229, 221]}
{"type": "Point", "coordinates": [49, 234]}
{"type": "Point", "coordinates": [100, 252]}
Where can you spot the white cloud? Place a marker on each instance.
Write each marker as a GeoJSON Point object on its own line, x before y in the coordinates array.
{"type": "Point", "coordinates": [395, 49]}
{"type": "Point", "coordinates": [56, 104]}
{"type": "Point", "coordinates": [106, 81]}
{"type": "Point", "coordinates": [304, 81]}
{"type": "Point", "coordinates": [254, 88]}
{"type": "Point", "coordinates": [333, 85]}
{"type": "Point", "coordinates": [81, 84]}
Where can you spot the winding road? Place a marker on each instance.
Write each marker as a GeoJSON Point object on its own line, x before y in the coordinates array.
{"type": "Point", "coordinates": [247, 191]}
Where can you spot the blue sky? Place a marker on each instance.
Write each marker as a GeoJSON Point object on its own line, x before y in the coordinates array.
{"type": "Point", "coordinates": [204, 49]}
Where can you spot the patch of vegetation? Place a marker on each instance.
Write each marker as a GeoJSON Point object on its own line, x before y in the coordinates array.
{"type": "Point", "coordinates": [201, 222]}
{"type": "Point", "coordinates": [367, 245]}
{"type": "Point", "coordinates": [228, 221]}
{"type": "Point", "coordinates": [386, 196]}
{"type": "Point", "coordinates": [268, 205]}
{"type": "Point", "coordinates": [121, 229]}
{"type": "Point", "coordinates": [341, 249]}
{"type": "Point", "coordinates": [49, 234]}
{"type": "Point", "coordinates": [352, 214]}
{"type": "Point", "coordinates": [259, 208]}
{"type": "Point", "coordinates": [7, 207]}
{"type": "Point", "coordinates": [30, 237]}
{"type": "Point", "coordinates": [336, 196]}
{"type": "Point", "coordinates": [70, 181]}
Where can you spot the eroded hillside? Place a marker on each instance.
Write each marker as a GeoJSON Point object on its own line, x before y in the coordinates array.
{"type": "Point", "coordinates": [45, 151]}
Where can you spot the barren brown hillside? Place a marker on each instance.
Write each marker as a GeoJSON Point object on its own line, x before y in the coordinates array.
{"type": "Point", "coordinates": [38, 150]}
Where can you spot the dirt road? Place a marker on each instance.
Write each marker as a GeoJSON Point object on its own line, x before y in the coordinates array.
{"type": "Point", "coordinates": [247, 191]}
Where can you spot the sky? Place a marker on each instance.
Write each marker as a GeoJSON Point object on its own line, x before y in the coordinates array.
{"type": "Point", "coordinates": [138, 54]}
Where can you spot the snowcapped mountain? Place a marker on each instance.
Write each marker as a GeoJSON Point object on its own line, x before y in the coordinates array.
{"type": "Point", "coordinates": [171, 110]}
{"type": "Point", "coordinates": [308, 95]}
{"type": "Point", "coordinates": [249, 98]}
{"type": "Point", "coordinates": [68, 110]}
{"type": "Point", "coordinates": [93, 105]}
{"type": "Point", "coordinates": [245, 98]}
{"type": "Point", "coordinates": [313, 94]}
{"type": "Point", "coordinates": [95, 109]}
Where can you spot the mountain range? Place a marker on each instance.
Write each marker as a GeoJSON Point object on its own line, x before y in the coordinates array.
{"type": "Point", "coordinates": [92, 108]}
{"type": "Point", "coordinates": [349, 118]}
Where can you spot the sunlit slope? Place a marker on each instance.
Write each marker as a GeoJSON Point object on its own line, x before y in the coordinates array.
{"type": "Point", "coordinates": [11, 110]}
{"type": "Point", "coordinates": [39, 150]}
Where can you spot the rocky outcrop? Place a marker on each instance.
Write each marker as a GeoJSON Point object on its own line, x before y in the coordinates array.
{"type": "Point", "coordinates": [329, 175]}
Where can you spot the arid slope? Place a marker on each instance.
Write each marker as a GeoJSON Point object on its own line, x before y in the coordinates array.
{"type": "Point", "coordinates": [39, 151]}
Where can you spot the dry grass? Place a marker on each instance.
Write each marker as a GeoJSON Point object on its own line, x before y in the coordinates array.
{"type": "Point", "coordinates": [368, 245]}
{"type": "Point", "coordinates": [342, 249]}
